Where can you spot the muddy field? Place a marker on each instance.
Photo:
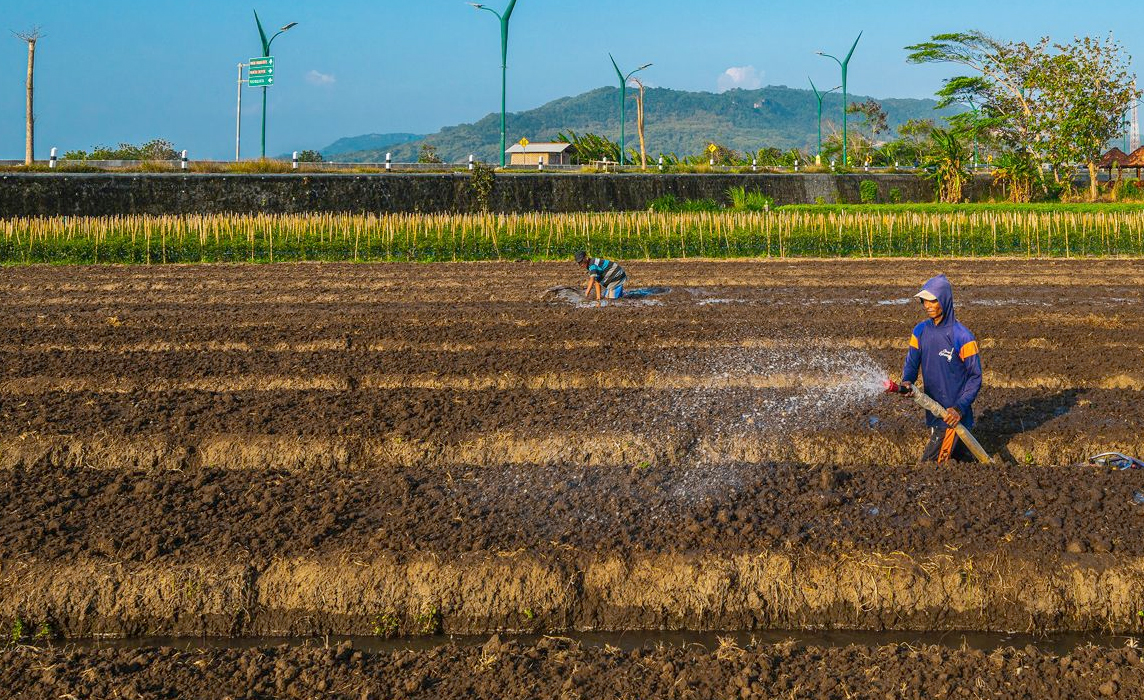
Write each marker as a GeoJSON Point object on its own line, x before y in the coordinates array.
{"type": "Point", "coordinates": [560, 668]}
{"type": "Point", "coordinates": [399, 449]}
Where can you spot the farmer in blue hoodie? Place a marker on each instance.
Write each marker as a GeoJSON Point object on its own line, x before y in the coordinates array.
{"type": "Point", "coordinates": [946, 353]}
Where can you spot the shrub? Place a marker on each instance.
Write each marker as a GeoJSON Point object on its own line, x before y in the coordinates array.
{"type": "Point", "coordinates": [1050, 191]}
{"type": "Point", "coordinates": [155, 149]}
{"type": "Point", "coordinates": [868, 192]}
{"type": "Point", "coordinates": [757, 201]}
{"type": "Point", "coordinates": [693, 205]}
{"type": "Point", "coordinates": [895, 195]}
{"type": "Point", "coordinates": [742, 200]}
{"type": "Point", "coordinates": [428, 154]}
{"type": "Point", "coordinates": [1128, 191]}
{"type": "Point", "coordinates": [671, 203]}
{"type": "Point", "coordinates": [482, 181]}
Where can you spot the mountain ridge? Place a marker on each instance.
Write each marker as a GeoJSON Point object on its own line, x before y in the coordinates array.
{"type": "Point", "coordinates": [678, 121]}
{"type": "Point", "coordinates": [368, 142]}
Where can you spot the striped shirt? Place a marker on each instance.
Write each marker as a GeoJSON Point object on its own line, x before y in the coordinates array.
{"type": "Point", "coordinates": [605, 271]}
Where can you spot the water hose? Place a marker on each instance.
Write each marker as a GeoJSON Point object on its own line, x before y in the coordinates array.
{"type": "Point", "coordinates": [921, 399]}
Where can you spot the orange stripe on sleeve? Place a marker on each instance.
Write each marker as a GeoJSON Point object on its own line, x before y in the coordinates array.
{"type": "Point", "coordinates": [968, 350]}
{"type": "Point", "coordinates": [914, 342]}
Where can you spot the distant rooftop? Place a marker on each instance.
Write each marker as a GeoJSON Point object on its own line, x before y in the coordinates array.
{"type": "Point", "coordinates": [539, 148]}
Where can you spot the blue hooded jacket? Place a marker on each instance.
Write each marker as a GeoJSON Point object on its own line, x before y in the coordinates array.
{"type": "Point", "coordinates": [947, 356]}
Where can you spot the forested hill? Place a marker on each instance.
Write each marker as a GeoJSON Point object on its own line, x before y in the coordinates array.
{"type": "Point", "coordinates": [366, 142]}
{"type": "Point", "coordinates": [677, 122]}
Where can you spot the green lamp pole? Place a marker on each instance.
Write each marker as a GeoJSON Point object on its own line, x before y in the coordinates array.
{"type": "Point", "coordinates": [504, 18]}
{"type": "Point", "coordinates": [624, 100]}
{"type": "Point", "coordinates": [820, 96]}
{"type": "Point", "coordinates": [844, 63]}
{"type": "Point", "coordinates": [265, 53]}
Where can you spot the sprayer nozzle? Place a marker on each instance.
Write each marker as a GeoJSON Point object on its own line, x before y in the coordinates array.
{"type": "Point", "coordinates": [893, 387]}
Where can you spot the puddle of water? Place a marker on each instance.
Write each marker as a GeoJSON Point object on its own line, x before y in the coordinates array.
{"type": "Point", "coordinates": [1007, 302]}
{"type": "Point", "coordinates": [985, 641]}
{"type": "Point", "coordinates": [634, 297]}
{"type": "Point", "coordinates": [640, 292]}
{"type": "Point", "coordinates": [641, 302]}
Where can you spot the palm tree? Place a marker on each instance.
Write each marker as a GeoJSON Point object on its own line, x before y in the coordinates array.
{"type": "Point", "coordinates": [945, 164]}
{"type": "Point", "coordinates": [1015, 172]}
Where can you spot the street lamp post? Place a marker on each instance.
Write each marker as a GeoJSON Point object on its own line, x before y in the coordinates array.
{"type": "Point", "coordinates": [820, 96]}
{"type": "Point", "coordinates": [844, 64]}
{"type": "Point", "coordinates": [238, 118]}
{"type": "Point", "coordinates": [623, 100]}
{"type": "Point", "coordinates": [504, 19]}
{"type": "Point", "coordinates": [265, 53]}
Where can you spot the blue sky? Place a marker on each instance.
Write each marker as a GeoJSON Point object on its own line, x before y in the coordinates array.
{"type": "Point", "coordinates": [111, 71]}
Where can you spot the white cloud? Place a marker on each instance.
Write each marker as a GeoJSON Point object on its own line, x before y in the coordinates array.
{"type": "Point", "coordinates": [745, 77]}
{"type": "Point", "coordinates": [316, 78]}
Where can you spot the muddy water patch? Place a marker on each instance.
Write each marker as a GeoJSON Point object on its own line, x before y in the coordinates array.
{"type": "Point", "coordinates": [636, 296]}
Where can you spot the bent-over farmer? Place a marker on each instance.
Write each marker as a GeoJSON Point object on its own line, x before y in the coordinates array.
{"type": "Point", "coordinates": [605, 277]}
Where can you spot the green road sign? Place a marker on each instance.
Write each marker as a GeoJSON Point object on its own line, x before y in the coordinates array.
{"type": "Point", "coordinates": [260, 72]}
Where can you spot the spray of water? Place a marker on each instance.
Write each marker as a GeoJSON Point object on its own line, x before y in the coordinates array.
{"type": "Point", "coordinates": [736, 392]}
{"type": "Point", "coordinates": [833, 383]}
{"type": "Point", "coordinates": [765, 393]}
{"type": "Point", "coordinates": [812, 385]}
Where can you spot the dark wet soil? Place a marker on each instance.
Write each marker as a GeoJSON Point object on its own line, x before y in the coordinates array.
{"type": "Point", "coordinates": [554, 668]}
{"type": "Point", "coordinates": [55, 513]}
{"type": "Point", "coordinates": [450, 416]}
{"type": "Point", "coordinates": [1057, 335]}
{"type": "Point", "coordinates": [115, 382]}
{"type": "Point", "coordinates": [1052, 331]}
{"type": "Point", "coordinates": [445, 355]}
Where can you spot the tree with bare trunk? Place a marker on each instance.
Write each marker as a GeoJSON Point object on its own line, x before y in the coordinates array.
{"type": "Point", "coordinates": [31, 36]}
{"type": "Point", "coordinates": [640, 122]}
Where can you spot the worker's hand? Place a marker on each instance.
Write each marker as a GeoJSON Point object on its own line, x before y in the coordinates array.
{"type": "Point", "coordinates": [908, 386]}
{"type": "Point", "coordinates": [952, 417]}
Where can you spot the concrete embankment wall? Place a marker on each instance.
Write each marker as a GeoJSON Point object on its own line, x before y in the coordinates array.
{"type": "Point", "coordinates": [103, 194]}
